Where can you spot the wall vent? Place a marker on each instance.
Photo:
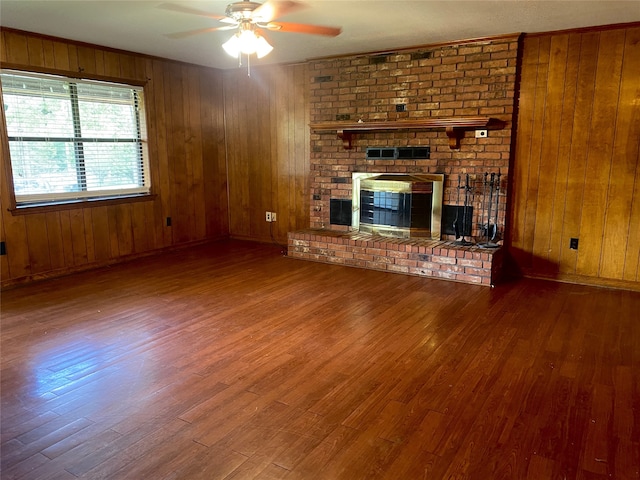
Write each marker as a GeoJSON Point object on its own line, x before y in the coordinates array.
{"type": "Point", "coordinates": [414, 152]}
{"type": "Point", "coordinates": [404, 153]}
{"type": "Point", "coordinates": [381, 153]}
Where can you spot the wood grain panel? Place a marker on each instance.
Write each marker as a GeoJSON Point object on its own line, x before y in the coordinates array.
{"type": "Point", "coordinates": [101, 233]}
{"type": "Point", "coordinates": [535, 148]}
{"type": "Point", "coordinates": [599, 157]}
{"type": "Point", "coordinates": [585, 49]}
{"type": "Point", "coordinates": [618, 243]}
{"type": "Point", "coordinates": [61, 56]}
{"type": "Point", "coordinates": [268, 155]}
{"type": "Point", "coordinates": [520, 173]}
{"type": "Point", "coordinates": [55, 240]}
{"type": "Point", "coordinates": [214, 159]}
{"type": "Point", "coordinates": [36, 230]}
{"type": "Point", "coordinates": [36, 52]}
{"type": "Point", "coordinates": [17, 47]}
{"type": "Point", "coordinates": [48, 53]}
{"type": "Point", "coordinates": [576, 163]}
{"type": "Point", "coordinates": [565, 131]}
{"type": "Point", "coordinates": [548, 181]}
{"type": "Point", "coordinates": [188, 174]}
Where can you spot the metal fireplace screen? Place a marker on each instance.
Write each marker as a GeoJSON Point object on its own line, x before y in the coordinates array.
{"type": "Point", "coordinates": [400, 205]}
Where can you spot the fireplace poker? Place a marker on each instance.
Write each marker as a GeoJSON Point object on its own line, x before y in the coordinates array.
{"type": "Point", "coordinates": [456, 228]}
{"type": "Point", "coordinates": [494, 233]}
{"type": "Point", "coordinates": [462, 241]}
{"type": "Point", "coordinates": [488, 188]}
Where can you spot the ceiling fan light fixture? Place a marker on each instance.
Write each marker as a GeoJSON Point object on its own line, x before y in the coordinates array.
{"type": "Point", "coordinates": [248, 42]}
{"type": "Point", "coordinates": [263, 48]}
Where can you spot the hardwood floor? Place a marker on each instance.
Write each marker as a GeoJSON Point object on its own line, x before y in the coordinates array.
{"type": "Point", "coordinates": [229, 361]}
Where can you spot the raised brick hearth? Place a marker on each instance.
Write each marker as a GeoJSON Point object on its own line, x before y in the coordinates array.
{"type": "Point", "coordinates": [414, 256]}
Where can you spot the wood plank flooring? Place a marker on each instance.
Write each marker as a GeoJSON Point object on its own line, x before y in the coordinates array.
{"type": "Point", "coordinates": [229, 361]}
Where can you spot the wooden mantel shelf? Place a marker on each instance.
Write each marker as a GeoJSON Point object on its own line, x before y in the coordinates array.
{"type": "Point", "coordinates": [454, 126]}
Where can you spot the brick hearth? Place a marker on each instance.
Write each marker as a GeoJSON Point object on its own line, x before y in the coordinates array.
{"type": "Point", "coordinates": [420, 257]}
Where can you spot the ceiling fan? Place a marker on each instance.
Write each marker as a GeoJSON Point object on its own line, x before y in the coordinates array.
{"type": "Point", "coordinates": [249, 19]}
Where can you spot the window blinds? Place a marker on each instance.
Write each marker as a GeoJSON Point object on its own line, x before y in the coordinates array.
{"type": "Point", "coordinates": [72, 139]}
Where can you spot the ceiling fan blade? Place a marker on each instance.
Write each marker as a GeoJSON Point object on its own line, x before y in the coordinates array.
{"type": "Point", "coordinates": [189, 33]}
{"type": "Point", "coordinates": [303, 28]}
{"type": "Point", "coordinates": [275, 9]}
{"type": "Point", "coordinates": [179, 8]}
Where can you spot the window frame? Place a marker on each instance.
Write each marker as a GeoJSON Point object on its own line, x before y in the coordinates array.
{"type": "Point", "coordinates": [73, 203]}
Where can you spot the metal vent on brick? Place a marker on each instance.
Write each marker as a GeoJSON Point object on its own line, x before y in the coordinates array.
{"type": "Point", "coordinates": [381, 153]}
{"type": "Point", "coordinates": [404, 153]}
{"type": "Point", "coordinates": [414, 152]}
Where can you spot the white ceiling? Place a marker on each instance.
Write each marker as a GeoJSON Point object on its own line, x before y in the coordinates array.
{"type": "Point", "coordinates": [367, 25]}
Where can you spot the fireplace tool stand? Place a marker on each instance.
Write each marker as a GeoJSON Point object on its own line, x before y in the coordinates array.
{"type": "Point", "coordinates": [460, 240]}
{"type": "Point", "coordinates": [491, 186]}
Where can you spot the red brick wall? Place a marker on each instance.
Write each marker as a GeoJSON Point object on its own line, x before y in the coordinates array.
{"type": "Point", "coordinates": [467, 79]}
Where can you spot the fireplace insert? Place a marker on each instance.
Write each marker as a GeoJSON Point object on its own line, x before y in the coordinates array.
{"type": "Point", "coordinates": [398, 205]}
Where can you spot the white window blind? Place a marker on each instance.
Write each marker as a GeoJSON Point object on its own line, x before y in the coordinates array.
{"type": "Point", "coordinates": [72, 139]}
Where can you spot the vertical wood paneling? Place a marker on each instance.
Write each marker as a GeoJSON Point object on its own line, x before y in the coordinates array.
{"type": "Point", "coordinates": [214, 160]}
{"type": "Point", "coordinates": [17, 49]}
{"type": "Point", "coordinates": [36, 53]}
{"type": "Point", "coordinates": [61, 56]}
{"type": "Point", "coordinates": [576, 171]}
{"type": "Point", "coordinates": [3, 48]}
{"type": "Point", "coordinates": [268, 156]}
{"type": "Point", "coordinates": [48, 52]}
{"type": "Point", "coordinates": [65, 231]}
{"type": "Point", "coordinates": [195, 141]}
{"type": "Point", "coordinates": [301, 201]}
{"type": "Point", "coordinates": [158, 149]}
{"type": "Point", "coordinates": [78, 237]}
{"type": "Point", "coordinates": [101, 234]}
{"type": "Point", "coordinates": [599, 156]}
{"type": "Point", "coordinates": [585, 87]}
{"type": "Point", "coordinates": [87, 60]}
{"type": "Point", "coordinates": [185, 124]}
{"type": "Point", "coordinates": [39, 256]}
{"type": "Point", "coordinates": [283, 194]}
{"type": "Point", "coordinates": [237, 135]}
{"type": "Point", "coordinates": [551, 164]}
{"type": "Point", "coordinates": [535, 147]}
{"type": "Point", "coordinates": [624, 168]}
{"type": "Point", "coordinates": [139, 228]}
{"type": "Point", "coordinates": [4, 263]}
{"type": "Point", "coordinates": [74, 64]}
{"type": "Point", "coordinates": [56, 243]}
{"type": "Point", "coordinates": [520, 174]}
{"type": "Point", "coordinates": [558, 234]}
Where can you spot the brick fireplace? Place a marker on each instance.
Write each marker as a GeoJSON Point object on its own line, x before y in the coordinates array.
{"type": "Point", "coordinates": [468, 79]}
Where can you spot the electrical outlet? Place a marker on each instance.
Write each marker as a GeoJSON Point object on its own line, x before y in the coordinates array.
{"type": "Point", "coordinates": [573, 243]}
{"type": "Point", "coordinates": [273, 216]}
{"type": "Point", "coordinates": [481, 134]}
{"type": "Point", "coordinates": [267, 216]}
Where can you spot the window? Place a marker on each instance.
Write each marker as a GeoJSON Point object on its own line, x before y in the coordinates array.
{"type": "Point", "coordinates": [74, 139]}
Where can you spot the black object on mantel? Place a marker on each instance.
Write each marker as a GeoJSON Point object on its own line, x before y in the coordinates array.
{"type": "Point", "coordinates": [491, 185]}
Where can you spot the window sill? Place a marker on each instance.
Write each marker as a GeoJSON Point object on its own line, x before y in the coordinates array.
{"type": "Point", "coordinates": [83, 203]}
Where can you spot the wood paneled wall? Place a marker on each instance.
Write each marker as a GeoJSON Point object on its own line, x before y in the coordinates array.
{"type": "Point", "coordinates": [576, 172]}
{"type": "Point", "coordinates": [187, 162]}
{"type": "Point", "coordinates": [267, 122]}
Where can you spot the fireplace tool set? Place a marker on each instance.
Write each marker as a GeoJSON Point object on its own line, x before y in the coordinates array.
{"type": "Point", "coordinates": [491, 185]}
{"type": "Point", "coordinates": [490, 208]}
{"type": "Point", "coordinates": [460, 240]}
